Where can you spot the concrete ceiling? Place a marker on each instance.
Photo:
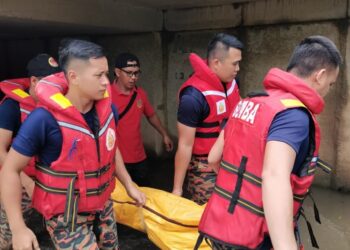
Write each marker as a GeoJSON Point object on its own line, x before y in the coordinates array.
{"type": "Point", "coordinates": [20, 18]}
{"type": "Point", "coordinates": [182, 4]}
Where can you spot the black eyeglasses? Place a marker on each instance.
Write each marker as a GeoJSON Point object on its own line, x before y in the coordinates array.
{"type": "Point", "coordinates": [132, 73]}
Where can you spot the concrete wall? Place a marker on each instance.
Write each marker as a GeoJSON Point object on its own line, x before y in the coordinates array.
{"type": "Point", "coordinates": [271, 46]}
{"type": "Point", "coordinates": [270, 29]}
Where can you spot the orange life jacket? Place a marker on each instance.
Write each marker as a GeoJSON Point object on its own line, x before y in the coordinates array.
{"type": "Point", "coordinates": [234, 215]}
{"type": "Point", "coordinates": [221, 103]}
{"type": "Point", "coordinates": [83, 176]}
{"type": "Point", "coordinates": [15, 89]}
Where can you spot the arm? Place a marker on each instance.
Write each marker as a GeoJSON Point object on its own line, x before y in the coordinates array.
{"type": "Point", "coordinates": [215, 153]}
{"type": "Point", "coordinates": [277, 194]}
{"type": "Point", "coordinates": [183, 155]}
{"type": "Point", "coordinates": [23, 237]}
{"type": "Point", "coordinates": [125, 179]}
{"type": "Point", "coordinates": [5, 142]}
{"type": "Point", "coordinates": [155, 122]}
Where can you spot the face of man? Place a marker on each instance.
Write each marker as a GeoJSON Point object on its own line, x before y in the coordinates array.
{"type": "Point", "coordinates": [91, 77]}
{"type": "Point", "coordinates": [128, 76]}
{"type": "Point", "coordinates": [227, 68]}
{"type": "Point", "coordinates": [325, 78]}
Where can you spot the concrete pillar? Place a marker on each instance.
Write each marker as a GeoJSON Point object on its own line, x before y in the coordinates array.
{"type": "Point", "coordinates": [179, 68]}
{"type": "Point", "coordinates": [341, 179]}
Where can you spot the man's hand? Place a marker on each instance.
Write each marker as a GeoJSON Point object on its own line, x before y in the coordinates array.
{"type": "Point", "coordinates": [24, 239]}
{"type": "Point", "coordinates": [136, 195]}
{"type": "Point", "coordinates": [168, 143]}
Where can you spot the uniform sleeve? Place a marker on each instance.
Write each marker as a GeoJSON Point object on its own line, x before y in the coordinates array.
{"type": "Point", "coordinates": [193, 108]}
{"type": "Point", "coordinates": [10, 115]}
{"type": "Point", "coordinates": [291, 127]}
{"type": "Point", "coordinates": [39, 132]}
{"type": "Point", "coordinates": [148, 109]}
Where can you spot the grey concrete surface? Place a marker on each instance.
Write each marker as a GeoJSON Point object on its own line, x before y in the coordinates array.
{"type": "Point", "coordinates": [224, 16]}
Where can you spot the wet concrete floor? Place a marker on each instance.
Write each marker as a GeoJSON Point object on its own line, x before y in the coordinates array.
{"type": "Point", "coordinates": [332, 234]}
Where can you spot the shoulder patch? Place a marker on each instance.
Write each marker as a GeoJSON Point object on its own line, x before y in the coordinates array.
{"type": "Point", "coordinates": [21, 93]}
{"type": "Point", "coordinates": [61, 100]}
{"type": "Point", "coordinates": [289, 103]}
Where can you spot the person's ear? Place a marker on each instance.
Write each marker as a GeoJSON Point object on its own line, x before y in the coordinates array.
{"type": "Point", "coordinates": [320, 75]}
{"type": "Point", "coordinates": [214, 64]}
{"type": "Point", "coordinates": [72, 76]}
{"type": "Point", "coordinates": [33, 81]}
{"type": "Point", "coordinates": [117, 72]}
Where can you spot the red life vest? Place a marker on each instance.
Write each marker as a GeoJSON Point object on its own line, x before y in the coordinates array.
{"type": "Point", "coordinates": [221, 102]}
{"type": "Point", "coordinates": [82, 178]}
{"type": "Point", "coordinates": [234, 215]}
{"type": "Point", "coordinates": [15, 89]}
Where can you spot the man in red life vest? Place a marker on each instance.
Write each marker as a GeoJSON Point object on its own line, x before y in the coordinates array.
{"type": "Point", "coordinates": [269, 151]}
{"type": "Point", "coordinates": [205, 101]}
{"type": "Point", "coordinates": [18, 102]}
{"type": "Point", "coordinates": [72, 135]}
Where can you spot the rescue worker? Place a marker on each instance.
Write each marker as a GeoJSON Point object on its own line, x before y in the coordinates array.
{"type": "Point", "coordinates": [18, 102]}
{"type": "Point", "coordinates": [205, 101]}
{"type": "Point", "coordinates": [132, 103]}
{"type": "Point", "coordinates": [269, 152]}
{"type": "Point", "coordinates": [72, 135]}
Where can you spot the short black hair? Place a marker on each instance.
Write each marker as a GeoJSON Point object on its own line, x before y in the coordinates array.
{"type": "Point", "coordinates": [77, 49]}
{"type": "Point", "coordinates": [222, 42]}
{"type": "Point", "coordinates": [314, 53]}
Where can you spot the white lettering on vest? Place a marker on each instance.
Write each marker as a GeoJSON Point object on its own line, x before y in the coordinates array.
{"type": "Point", "coordinates": [246, 111]}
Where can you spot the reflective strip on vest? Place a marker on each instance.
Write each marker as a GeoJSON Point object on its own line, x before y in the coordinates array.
{"type": "Point", "coordinates": [103, 129]}
{"type": "Point", "coordinates": [25, 111]}
{"type": "Point", "coordinates": [220, 93]}
{"type": "Point", "coordinates": [257, 180]}
{"type": "Point", "coordinates": [84, 130]}
{"type": "Point", "coordinates": [52, 84]}
{"type": "Point", "coordinates": [14, 83]}
{"type": "Point", "coordinates": [247, 176]}
{"type": "Point", "coordinates": [75, 127]}
{"type": "Point", "coordinates": [67, 174]}
{"type": "Point", "coordinates": [230, 90]}
{"type": "Point", "coordinates": [241, 202]}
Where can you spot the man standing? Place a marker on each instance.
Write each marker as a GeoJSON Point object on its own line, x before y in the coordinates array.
{"type": "Point", "coordinates": [73, 137]}
{"type": "Point", "coordinates": [132, 103]}
{"type": "Point", "coordinates": [270, 152]}
{"type": "Point", "coordinates": [205, 101]}
{"type": "Point", "coordinates": [14, 109]}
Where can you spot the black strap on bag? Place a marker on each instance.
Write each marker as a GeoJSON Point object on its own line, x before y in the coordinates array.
{"type": "Point", "coordinates": [132, 100]}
